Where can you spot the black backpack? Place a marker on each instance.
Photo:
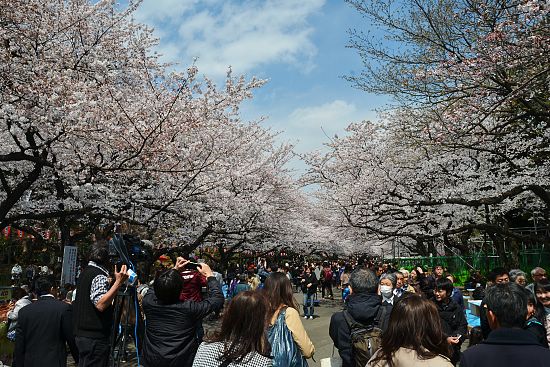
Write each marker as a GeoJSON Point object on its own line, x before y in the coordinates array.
{"type": "Point", "coordinates": [365, 339]}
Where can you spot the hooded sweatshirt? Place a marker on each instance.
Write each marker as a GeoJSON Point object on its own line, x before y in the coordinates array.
{"type": "Point", "coordinates": [363, 308]}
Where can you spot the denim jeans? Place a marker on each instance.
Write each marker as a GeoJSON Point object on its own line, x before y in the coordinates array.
{"type": "Point", "coordinates": [308, 303]}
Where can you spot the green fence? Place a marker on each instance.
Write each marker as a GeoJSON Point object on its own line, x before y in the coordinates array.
{"type": "Point", "coordinates": [460, 266]}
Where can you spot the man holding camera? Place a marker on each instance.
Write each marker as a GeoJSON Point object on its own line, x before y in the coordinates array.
{"type": "Point", "coordinates": [171, 333]}
{"type": "Point", "coordinates": [93, 307]}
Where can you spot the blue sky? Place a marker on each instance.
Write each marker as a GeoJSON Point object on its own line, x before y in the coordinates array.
{"type": "Point", "coordinates": [298, 45]}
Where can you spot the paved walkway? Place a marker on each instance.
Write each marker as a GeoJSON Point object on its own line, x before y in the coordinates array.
{"type": "Point", "coordinates": [317, 329]}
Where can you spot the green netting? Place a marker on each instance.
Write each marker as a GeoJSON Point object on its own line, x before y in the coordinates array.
{"type": "Point", "coordinates": [460, 266]}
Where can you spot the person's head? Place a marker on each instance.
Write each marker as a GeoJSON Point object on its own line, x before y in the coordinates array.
{"type": "Point", "coordinates": [99, 253]}
{"type": "Point", "coordinates": [414, 275]}
{"type": "Point", "coordinates": [168, 286]}
{"type": "Point", "coordinates": [438, 271]}
{"type": "Point", "coordinates": [413, 312]}
{"type": "Point", "coordinates": [278, 290]}
{"type": "Point", "coordinates": [406, 275]}
{"type": "Point", "coordinates": [498, 275]}
{"type": "Point", "coordinates": [538, 274]}
{"type": "Point", "coordinates": [363, 281]}
{"type": "Point", "coordinates": [506, 305]}
{"type": "Point", "coordinates": [542, 292]}
{"type": "Point", "coordinates": [518, 276]}
{"type": "Point", "coordinates": [43, 285]}
{"type": "Point", "coordinates": [443, 289]}
{"type": "Point", "coordinates": [379, 270]}
{"type": "Point", "coordinates": [307, 270]}
{"type": "Point", "coordinates": [399, 279]}
{"type": "Point", "coordinates": [476, 336]}
{"type": "Point", "coordinates": [531, 303]}
{"type": "Point", "coordinates": [389, 279]}
{"type": "Point", "coordinates": [243, 327]}
{"type": "Point", "coordinates": [388, 283]}
{"type": "Point", "coordinates": [18, 293]}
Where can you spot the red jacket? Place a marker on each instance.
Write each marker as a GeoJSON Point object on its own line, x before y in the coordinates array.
{"type": "Point", "coordinates": [193, 281]}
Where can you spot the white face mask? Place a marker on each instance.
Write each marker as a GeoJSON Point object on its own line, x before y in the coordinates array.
{"type": "Point", "coordinates": [386, 291]}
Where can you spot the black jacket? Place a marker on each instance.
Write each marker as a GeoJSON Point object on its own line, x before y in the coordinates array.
{"type": "Point", "coordinates": [171, 330]}
{"type": "Point", "coordinates": [363, 307]}
{"type": "Point", "coordinates": [309, 279]}
{"type": "Point", "coordinates": [507, 347]}
{"type": "Point", "coordinates": [43, 328]}
{"type": "Point", "coordinates": [453, 319]}
{"type": "Point", "coordinates": [535, 327]}
{"type": "Point", "coordinates": [453, 322]}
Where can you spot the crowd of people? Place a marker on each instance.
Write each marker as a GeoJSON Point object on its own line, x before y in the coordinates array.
{"type": "Point", "coordinates": [390, 317]}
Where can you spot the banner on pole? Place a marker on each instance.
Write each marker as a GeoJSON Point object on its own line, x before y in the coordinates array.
{"type": "Point", "coordinates": [68, 271]}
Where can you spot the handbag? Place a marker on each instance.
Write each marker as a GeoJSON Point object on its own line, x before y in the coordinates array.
{"type": "Point", "coordinates": [284, 350]}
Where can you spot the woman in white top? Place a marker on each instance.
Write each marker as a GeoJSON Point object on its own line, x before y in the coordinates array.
{"type": "Point", "coordinates": [414, 336]}
{"type": "Point", "coordinates": [242, 339]}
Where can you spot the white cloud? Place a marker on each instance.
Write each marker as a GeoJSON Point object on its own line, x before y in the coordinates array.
{"type": "Point", "coordinates": [244, 34]}
{"type": "Point", "coordinates": [309, 127]}
{"type": "Point", "coordinates": [334, 113]}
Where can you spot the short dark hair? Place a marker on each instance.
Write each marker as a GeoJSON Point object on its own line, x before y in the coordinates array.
{"type": "Point", "coordinates": [493, 274]}
{"type": "Point", "coordinates": [542, 285]}
{"type": "Point", "coordinates": [363, 281]}
{"type": "Point", "coordinates": [168, 286]}
{"type": "Point", "coordinates": [43, 285]}
{"type": "Point", "coordinates": [99, 253]}
{"type": "Point", "coordinates": [18, 293]}
{"type": "Point", "coordinates": [509, 304]}
{"type": "Point", "coordinates": [444, 284]}
{"type": "Point", "coordinates": [531, 298]}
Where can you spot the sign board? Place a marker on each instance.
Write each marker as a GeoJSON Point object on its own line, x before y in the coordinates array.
{"type": "Point", "coordinates": [5, 294]}
{"type": "Point", "coordinates": [68, 271]}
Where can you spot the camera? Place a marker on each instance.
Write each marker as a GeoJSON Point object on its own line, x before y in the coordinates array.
{"type": "Point", "coordinates": [192, 265]}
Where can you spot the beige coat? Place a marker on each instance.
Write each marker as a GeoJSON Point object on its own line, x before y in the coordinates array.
{"type": "Point", "coordinates": [405, 357]}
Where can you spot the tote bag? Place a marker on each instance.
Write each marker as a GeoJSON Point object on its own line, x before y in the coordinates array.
{"type": "Point", "coordinates": [284, 350]}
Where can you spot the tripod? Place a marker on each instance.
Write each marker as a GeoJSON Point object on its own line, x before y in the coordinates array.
{"type": "Point", "coordinates": [125, 319]}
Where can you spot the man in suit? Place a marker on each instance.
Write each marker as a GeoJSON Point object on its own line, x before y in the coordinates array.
{"type": "Point", "coordinates": [43, 329]}
{"type": "Point", "coordinates": [508, 345]}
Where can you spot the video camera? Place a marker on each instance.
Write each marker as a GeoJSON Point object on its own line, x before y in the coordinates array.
{"type": "Point", "coordinates": [127, 250]}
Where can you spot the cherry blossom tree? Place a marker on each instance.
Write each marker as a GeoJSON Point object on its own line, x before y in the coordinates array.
{"type": "Point", "coordinates": [462, 151]}
{"type": "Point", "coordinates": [95, 128]}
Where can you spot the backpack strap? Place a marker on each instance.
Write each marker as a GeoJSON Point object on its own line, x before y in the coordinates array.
{"type": "Point", "coordinates": [349, 319]}
{"type": "Point", "coordinates": [353, 323]}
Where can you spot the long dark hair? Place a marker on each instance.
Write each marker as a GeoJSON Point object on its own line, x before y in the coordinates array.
{"type": "Point", "coordinates": [243, 327]}
{"type": "Point", "coordinates": [414, 324]}
{"type": "Point", "coordinates": [278, 291]}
